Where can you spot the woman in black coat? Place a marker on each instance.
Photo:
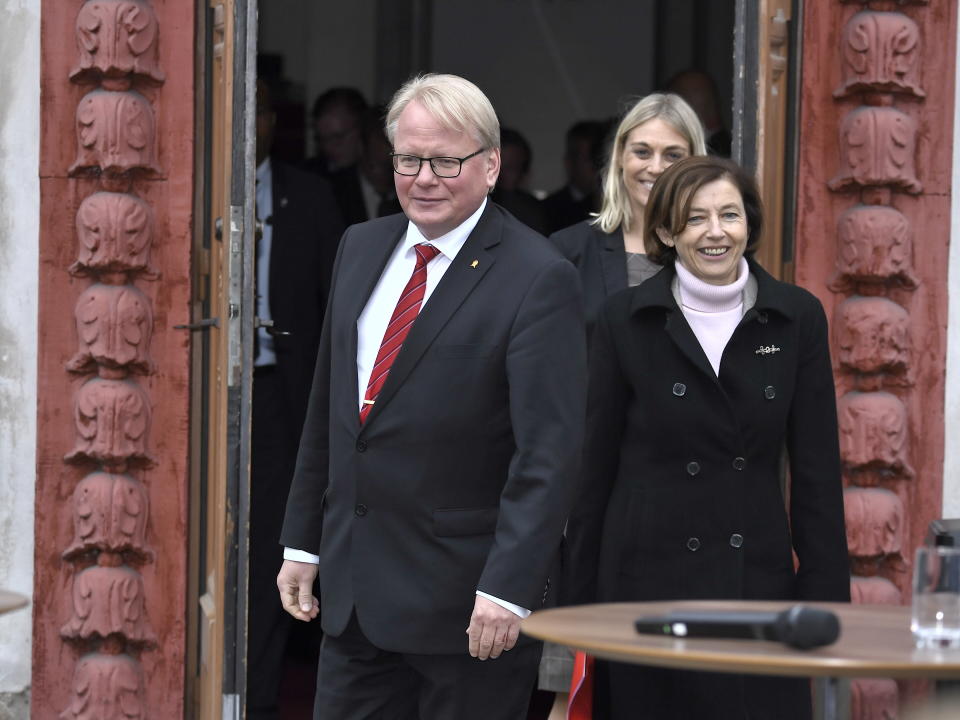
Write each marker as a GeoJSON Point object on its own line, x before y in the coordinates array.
{"type": "Point", "coordinates": [608, 250]}
{"type": "Point", "coordinates": [699, 379]}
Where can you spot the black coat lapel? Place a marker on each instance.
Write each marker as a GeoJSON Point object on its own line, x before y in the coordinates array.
{"type": "Point", "coordinates": [613, 260]}
{"type": "Point", "coordinates": [457, 283]}
{"type": "Point", "coordinates": [658, 292]}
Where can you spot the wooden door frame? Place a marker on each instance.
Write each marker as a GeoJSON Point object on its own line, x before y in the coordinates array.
{"type": "Point", "coordinates": [766, 67]}
{"type": "Point", "coordinates": [221, 400]}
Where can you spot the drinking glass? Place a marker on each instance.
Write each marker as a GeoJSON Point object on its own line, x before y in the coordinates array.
{"type": "Point", "coordinates": [935, 620]}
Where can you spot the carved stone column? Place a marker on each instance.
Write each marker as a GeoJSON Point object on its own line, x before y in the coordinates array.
{"type": "Point", "coordinates": [116, 199]}
{"type": "Point", "coordinates": [873, 216]}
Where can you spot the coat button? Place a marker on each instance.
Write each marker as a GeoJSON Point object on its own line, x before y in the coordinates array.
{"type": "Point", "coordinates": [739, 463]}
{"type": "Point", "coordinates": [769, 392]}
{"type": "Point", "coordinates": [679, 389]}
{"type": "Point", "coordinates": [693, 467]}
{"type": "Point", "coordinates": [360, 510]}
{"type": "Point", "coordinates": [693, 544]}
{"type": "Point", "coordinates": [736, 540]}
{"type": "Point", "coordinates": [361, 445]}
{"type": "Point", "coordinates": [762, 318]}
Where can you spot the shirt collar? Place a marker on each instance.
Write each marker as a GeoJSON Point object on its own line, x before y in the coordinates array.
{"type": "Point", "coordinates": [448, 245]}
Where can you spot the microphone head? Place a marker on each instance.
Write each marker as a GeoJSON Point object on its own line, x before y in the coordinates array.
{"type": "Point", "coordinates": [805, 627]}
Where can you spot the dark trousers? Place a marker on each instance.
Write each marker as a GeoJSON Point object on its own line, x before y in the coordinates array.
{"type": "Point", "coordinates": [631, 692]}
{"type": "Point", "coordinates": [273, 455]}
{"type": "Point", "coordinates": [359, 681]}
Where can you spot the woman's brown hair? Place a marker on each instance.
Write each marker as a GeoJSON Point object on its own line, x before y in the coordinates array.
{"type": "Point", "coordinates": [669, 204]}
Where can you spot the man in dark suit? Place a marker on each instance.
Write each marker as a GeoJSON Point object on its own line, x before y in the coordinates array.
{"type": "Point", "coordinates": [365, 191]}
{"type": "Point", "coordinates": [300, 228]}
{"type": "Point", "coordinates": [436, 468]}
{"type": "Point", "coordinates": [582, 160]}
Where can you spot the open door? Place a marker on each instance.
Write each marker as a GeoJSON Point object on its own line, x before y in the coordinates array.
{"type": "Point", "coordinates": [223, 319]}
{"type": "Point", "coordinates": [764, 106]}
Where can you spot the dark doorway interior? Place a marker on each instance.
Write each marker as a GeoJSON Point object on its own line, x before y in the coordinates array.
{"type": "Point", "coordinates": [545, 64]}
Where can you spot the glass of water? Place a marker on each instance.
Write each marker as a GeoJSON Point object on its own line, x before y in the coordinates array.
{"type": "Point", "coordinates": [935, 621]}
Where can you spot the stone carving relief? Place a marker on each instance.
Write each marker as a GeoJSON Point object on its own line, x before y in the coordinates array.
{"type": "Point", "coordinates": [114, 325]}
{"type": "Point", "coordinates": [881, 53]}
{"type": "Point", "coordinates": [877, 146]}
{"type": "Point", "coordinates": [117, 39]}
{"type": "Point", "coordinates": [110, 513]}
{"type": "Point", "coordinates": [114, 232]}
{"type": "Point", "coordinates": [874, 591]}
{"type": "Point", "coordinates": [106, 687]}
{"type": "Point", "coordinates": [874, 526]}
{"type": "Point", "coordinates": [113, 420]}
{"type": "Point", "coordinates": [873, 436]}
{"type": "Point", "coordinates": [875, 248]}
{"type": "Point", "coordinates": [108, 601]}
{"type": "Point", "coordinates": [872, 338]}
{"type": "Point", "coordinates": [874, 699]}
{"type": "Point", "coordinates": [116, 133]}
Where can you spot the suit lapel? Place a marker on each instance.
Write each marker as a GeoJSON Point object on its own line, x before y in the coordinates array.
{"type": "Point", "coordinates": [613, 260]}
{"type": "Point", "coordinates": [371, 250]}
{"type": "Point", "coordinates": [456, 285]}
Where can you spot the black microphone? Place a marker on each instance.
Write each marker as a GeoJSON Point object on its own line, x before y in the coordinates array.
{"type": "Point", "coordinates": [799, 626]}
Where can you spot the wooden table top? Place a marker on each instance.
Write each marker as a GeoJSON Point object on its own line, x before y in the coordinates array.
{"type": "Point", "coordinates": [875, 641]}
{"type": "Point", "coordinates": [11, 601]}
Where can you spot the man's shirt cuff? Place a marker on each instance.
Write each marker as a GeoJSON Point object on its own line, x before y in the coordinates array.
{"type": "Point", "coordinates": [515, 609]}
{"type": "Point", "coordinates": [302, 556]}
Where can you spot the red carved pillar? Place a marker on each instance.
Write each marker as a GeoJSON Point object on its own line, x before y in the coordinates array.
{"type": "Point", "coordinates": [111, 504]}
{"type": "Point", "coordinates": [873, 223]}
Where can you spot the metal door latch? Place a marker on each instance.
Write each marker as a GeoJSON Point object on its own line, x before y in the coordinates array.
{"type": "Point", "coordinates": [199, 325]}
{"type": "Point", "coordinates": [271, 329]}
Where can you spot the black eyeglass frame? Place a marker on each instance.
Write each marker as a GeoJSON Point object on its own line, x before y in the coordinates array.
{"type": "Point", "coordinates": [394, 156]}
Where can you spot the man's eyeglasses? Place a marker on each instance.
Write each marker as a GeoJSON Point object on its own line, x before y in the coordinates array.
{"type": "Point", "coordinates": [444, 167]}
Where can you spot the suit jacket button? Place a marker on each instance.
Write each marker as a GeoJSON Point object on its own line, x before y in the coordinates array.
{"type": "Point", "coordinates": [679, 389]}
{"type": "Point", "coordinates": [693, 467]}
{"type": "Point", "coordinates": [736, 540]}
{"type": "Point", "coordinates": [769, 392]}
{"type": "Point", "coordinates": [762, 318]}
{"type": "Point", "coordinates": [361, 445]}
{"type": "Point", "coordinates": [360, 510]}
{"type": "Point", "coordinates": [693, 544]}
{"type": "Point", "coordinates": [739, 463]}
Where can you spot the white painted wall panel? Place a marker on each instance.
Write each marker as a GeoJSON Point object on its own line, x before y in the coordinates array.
{"type": "Point", "coordinates": [19, 243]}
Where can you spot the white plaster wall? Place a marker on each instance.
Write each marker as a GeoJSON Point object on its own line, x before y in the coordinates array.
{"type": "Point", "coordinates": [951, 456]}
{"type": "Point", "coordinates": [19, 232]}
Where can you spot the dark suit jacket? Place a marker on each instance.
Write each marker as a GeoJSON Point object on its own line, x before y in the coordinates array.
{"type": "Point", "coordinates": [681, 495]}
{"type": "Point", "coordinates": [462, 476]}
{"type": "Point", "coordinates": [562, 210]}
{"type": "Point", "coordinates": [600, 259]}
{"type": "Point", "coordinates": [349, 194]}
{"type": "Point", "coordinates": [306, 228]}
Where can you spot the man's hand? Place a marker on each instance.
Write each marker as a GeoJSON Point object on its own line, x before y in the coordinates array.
{"type": "Point", "coordinates": [492, 630]}
{"type": "Point", "coordinates": [295, 583]}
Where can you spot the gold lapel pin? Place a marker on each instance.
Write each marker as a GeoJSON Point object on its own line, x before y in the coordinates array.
{"type": "Point", "coordinates": [474, 263]}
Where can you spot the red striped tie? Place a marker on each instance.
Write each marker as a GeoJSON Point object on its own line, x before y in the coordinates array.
{"type": "Point", "coordinates": [408, 307]}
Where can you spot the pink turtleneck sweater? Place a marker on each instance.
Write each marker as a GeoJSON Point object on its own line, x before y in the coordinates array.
{"type": "Point", "coordinates": [712, 311]}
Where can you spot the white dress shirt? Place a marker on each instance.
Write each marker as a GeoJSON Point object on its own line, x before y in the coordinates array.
{"type": "Point", "coordinates": [266, 354]}
{"type": "Point", "coordinates": [373, 321]}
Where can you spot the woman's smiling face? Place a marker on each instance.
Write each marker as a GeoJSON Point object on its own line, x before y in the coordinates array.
{"type": "Point", "coordinates": [649, 149]}
{"type": "Point", "coordinates": [712, 242]}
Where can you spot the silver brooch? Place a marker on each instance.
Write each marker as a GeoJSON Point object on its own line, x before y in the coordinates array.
{"type": "Point", "coordinates": [766, 350]}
